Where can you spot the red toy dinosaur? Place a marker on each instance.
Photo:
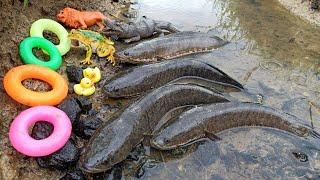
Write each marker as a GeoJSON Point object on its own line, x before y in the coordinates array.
{"type": "Point", "coordinates": [77, 19]}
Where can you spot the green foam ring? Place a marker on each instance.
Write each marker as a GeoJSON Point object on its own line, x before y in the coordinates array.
{"type": "Point", "coordinates": [27, 56]}
{"type": "Point", "coordinates": [41, 25]}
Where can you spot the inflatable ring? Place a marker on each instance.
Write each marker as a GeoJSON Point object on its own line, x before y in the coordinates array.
{"type": "Point", "coordinates": [25, 51]}
{"type": "Point", "coordinates": [41, 25]}
{"type": "Point", "coordinates": [15, 89]}
{"type": "Point", "coordinates": [19, 131]}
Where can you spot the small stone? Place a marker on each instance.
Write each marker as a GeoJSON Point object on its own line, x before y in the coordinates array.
{"type": "Point", "coordinates": [74, 174]}
{"type": "Point", "coordinates": [85, 104]}
{"type": "Point", "coordinates": [84, 127]}
{"type": "Point", "coordinates": [74, 74]}
{"type": "Point", "coordinates": [103, 175]}
{"type": "Point", "coordinates": [62, 159]}
{"type": "Point", "coordinates": [71, 107]}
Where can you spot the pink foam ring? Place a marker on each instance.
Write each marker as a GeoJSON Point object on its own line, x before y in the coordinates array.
{"type": "Point", "coordinates": [25, 144]}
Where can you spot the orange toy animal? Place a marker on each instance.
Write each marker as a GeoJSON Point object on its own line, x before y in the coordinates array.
{"type": "Point", "coordinates": [77, 19]}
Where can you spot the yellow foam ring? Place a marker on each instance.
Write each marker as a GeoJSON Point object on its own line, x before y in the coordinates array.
{"type": "Point", "coordinates": [41, 25]}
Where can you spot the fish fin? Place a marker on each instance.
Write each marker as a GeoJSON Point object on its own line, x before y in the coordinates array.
{"type": "Point", "coordinates": [314, 134]}
{"type": "Point", "coordinates": [212, 136]}
{"type": "Point", "coordinates": [234, 82]}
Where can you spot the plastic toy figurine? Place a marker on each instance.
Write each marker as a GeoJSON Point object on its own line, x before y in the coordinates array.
{"type": "Point", "coordinates": [81, 19]}
{"type": "Point", "coordinates": [93, 74]}
{"type": "Point", "coordinates": [94, 43]}
{"type": "Point", "coordinates": [85, 88]}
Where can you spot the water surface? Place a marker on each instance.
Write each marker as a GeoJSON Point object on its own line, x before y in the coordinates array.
{"type": "Point", "coordinates": [275, 55]}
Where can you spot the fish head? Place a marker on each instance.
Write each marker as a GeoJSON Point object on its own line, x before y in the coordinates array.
{"type": "Point", "coordinates": [107, 147]}
{"type": "Point", "coordinates": [121, 85]}
{"type": "Point", "coordinates": [166, 140]}
{"type": "Point", "coordinates": [116, 90]}
{"type": "Point", "coordinates": [177, 134]}
{"type": "Point", "coordinates": [133, 56]}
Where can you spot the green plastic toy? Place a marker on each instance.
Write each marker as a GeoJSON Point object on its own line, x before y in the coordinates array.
{"type": "Point", "coordinates": [25, 51]}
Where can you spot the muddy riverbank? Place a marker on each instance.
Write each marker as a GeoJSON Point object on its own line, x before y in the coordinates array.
{"type": "Point", "coordinates": [302, 9]}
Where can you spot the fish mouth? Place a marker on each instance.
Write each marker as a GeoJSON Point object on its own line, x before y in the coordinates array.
{"type": "Point", "coordinates": [159, 146]}
{"type": "Point", "coordinates": [88, 168]}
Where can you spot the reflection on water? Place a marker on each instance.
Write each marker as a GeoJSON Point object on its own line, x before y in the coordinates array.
{"type": "Point", "coordinates": [274, 54]}
{"type": "Point", "coordinates": [266, 28]}
{"type": "Point", "coordinates": [231, 158]}
{"type": "Point", "coordinates": [281, 50]}
{"type": "Point", "coordinates": [278, 34]}
{"type": "Point", "coordinates": [184, 14]}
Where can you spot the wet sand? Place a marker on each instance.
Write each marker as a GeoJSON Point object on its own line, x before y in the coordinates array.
{"type": "Point", "coordinates": [302, 10]}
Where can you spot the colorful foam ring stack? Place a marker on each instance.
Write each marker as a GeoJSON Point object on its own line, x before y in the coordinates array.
{"type": "Point", "coordinates": [43, 102]}
{"type": "Point", "coordinates": [38, 41]}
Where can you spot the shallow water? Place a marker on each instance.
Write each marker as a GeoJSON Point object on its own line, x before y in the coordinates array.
{"type": "Point", "coordinates": [272, 52]}
{"type": "Point", "coordinates": [275, 55]}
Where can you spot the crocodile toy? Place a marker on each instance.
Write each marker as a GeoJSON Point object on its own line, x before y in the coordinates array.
{"type": "Point", "coordinates": [94, 43]}
{"type": "Point", "coordinates": [132, 32]}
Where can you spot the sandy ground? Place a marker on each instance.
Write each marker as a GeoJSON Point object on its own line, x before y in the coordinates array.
{"type": "Point", "coordinates": [302, 9]}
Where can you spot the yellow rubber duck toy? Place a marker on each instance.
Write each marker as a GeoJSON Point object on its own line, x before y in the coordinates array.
{"type": "Point", "coordinates": [85, 88]}
{"type": "Point", "coordinates": [93, 74]}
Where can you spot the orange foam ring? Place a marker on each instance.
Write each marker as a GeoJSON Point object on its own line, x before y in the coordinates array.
{"type": "Point", "coordinates": [15, 89]}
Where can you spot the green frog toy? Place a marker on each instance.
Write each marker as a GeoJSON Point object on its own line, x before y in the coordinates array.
{"type": "Point", "coordinates": [94, 43]}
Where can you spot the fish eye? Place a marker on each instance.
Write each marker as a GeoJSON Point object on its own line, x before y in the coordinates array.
{"type": "Point", "coordinates": [302, 157]}
{"type": "Point", "coordinates": [126, 53]}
